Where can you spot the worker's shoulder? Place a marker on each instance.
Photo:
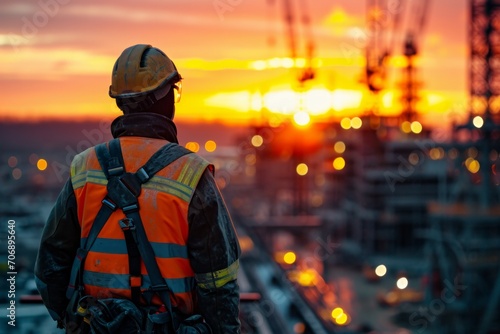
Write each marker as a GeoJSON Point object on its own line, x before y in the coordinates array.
{"type": "Point", "coordinates": [196, 159]}
{"type": "Point", "coordinates": [81, 158]}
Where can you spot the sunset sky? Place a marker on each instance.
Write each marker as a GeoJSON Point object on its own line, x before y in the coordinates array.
{"type": "Point", "coordinates": [56, 57]}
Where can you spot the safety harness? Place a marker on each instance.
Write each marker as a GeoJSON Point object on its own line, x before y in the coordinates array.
{"type": "Point", "coordinates": [123, 191]}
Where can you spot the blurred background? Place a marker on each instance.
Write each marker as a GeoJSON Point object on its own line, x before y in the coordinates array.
{"type": "Point", "coordinates": [356, 143]}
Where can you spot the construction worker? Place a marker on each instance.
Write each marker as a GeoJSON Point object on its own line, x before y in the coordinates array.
{"type": "Point", "coordinates": [180, 208]}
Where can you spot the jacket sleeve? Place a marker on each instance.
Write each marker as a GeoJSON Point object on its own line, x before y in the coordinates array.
{"type": "Point", "coordinates": [58, 245]}
{"type": "Point", "coordinates": [214, 252]}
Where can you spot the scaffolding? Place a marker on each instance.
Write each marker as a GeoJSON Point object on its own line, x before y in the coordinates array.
{"type": "Point", "coordinates": [463, 248]}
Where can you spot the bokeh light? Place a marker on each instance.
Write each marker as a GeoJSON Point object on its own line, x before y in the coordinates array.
{"type": "Point", "coordinates": [416, 127]}
{"type": "Point", "coordinates": [301, 118]}
{"type": "Point", "coordinates": [345, 123]}
{"type": "Point", "coordinates": [381, 270]}
{"type": "Point", "coordinates": [210, 146]}
{"type": "Point", "coordinates": [17, 173]}
{"type": "Point", "coordinates": [356, 122]}
{"type": "Point", "coordinates": [406, 127]}
{"type": "Point", "coordinates": [339, 147]}
{"type": "Point", "coordinates": [402, 283]}
{"type": "Point", "coordinates": [302, 169]}
{"type": "Point", "coordinates": [478, 122]}
{"type": "Point", "coordinates": [193, 146]}
{"type": "Point", "coordinates": [257, 140]}
{"type": "Point", "coordinates": [289, 258]}
{"type": "Point", "coordinates": [12, 161]}
{"type": "Point", "coordinates": [339, 163]}
{"type": "Point", "coordinates": [41, 164]}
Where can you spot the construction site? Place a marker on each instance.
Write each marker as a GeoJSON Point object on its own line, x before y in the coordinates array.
{"type": "Point", "coordinates": [423, 208]}
{"type": "Point", "coordinates": [366, 223]}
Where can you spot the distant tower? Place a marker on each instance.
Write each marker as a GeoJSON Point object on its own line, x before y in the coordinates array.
{"type": "Point", "coordinates": [485, 89]}
{"type": "Point", "coordinates": [485, 60]}
{"type": "Point", "coordinates": [465, 231]}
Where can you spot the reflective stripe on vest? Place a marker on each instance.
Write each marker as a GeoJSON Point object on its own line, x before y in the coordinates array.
{"type": "Point", "coordinates": [164, 203]}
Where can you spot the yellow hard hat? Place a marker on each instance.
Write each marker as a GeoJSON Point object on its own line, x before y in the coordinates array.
{"type": "Point", "coordinates": [142, 75]}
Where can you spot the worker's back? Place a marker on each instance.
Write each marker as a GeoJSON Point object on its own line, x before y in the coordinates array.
{"type": "Point", "coordinates": [163, 203]}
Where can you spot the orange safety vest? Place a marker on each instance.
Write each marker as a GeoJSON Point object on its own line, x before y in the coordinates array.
{"type": "Point", "coordinates": [163, 202]}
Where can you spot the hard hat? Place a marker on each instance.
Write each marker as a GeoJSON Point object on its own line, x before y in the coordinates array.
{"type": "Point", "coordinates": [143, 75]}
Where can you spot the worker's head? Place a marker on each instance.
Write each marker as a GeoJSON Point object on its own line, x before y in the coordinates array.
{"type": "Point", "coordinates": [144, 79]}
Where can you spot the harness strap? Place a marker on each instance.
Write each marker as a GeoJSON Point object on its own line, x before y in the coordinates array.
{"type": "Point", "coordinates": [107, 208]}
{"type": "Point", "coordinates": [134, 259]}
{"type": "Point", "coordinates": [123, 192]}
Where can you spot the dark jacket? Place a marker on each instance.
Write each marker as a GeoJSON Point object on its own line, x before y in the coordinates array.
{"type": "Point", "coordinates": [212, 242]}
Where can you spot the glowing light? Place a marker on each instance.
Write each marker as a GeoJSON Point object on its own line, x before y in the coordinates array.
{"type": "Point", "coordinates": [317, 101]}
{"type": "Point", "coordinates": [250, 159]}
{"type": "Point", "coordinates": [41, 164]}
{"type": "Point", "coordinates": [338, 311]}
{"type": "Point", "coordinates": [287, 62]}
{"type": "Point", "coordinates": [221, 182]}
{"type": "Point", "coordinates": [302, 169]}
{"type": "Point", "coordinates": [307, 277]}
{"type": "Point", "coordinates": [356, 123]}
{"type": "Point", "coordinates": [339, 147]}
{"type": "Point", "coordinates": [282, 101]}
{"type": "Point", "coordinates": [289, 258]}
{"type": "Point", "coordinates": [337, 17]}
{"type": "Point", "coordinates": [238, 101]}
{"type": "Point", "coordinates": [472, 152]}
{"type": "Point", "coordinates": [301, 118]}
{"type": "Point", "coordinates": [453, 153]}
{"type": "Point", "coordinates": [256, 102]}
{"type": "Point", "coordinates": [12, 161]}
{"type": "Point", "coordinates": [259, 65]}
{"type": "Point", "coordinates": [274, 121]}
{"type": "Point", "coordinates": [478, 122]}
{"type": "Point", "coordinates": [299, 328]}
{"type": "Point", "coordinates": [406, 127]}
{"type": "Point", "coordinates": [343, 99]}
{"type": "Point", "coordinates": [300, 62]}
{"type": "Point", "coordinates": [381, 270]}
{"type": "Point", "coordinates": [274, 62]}
{"type": "Point", "coordinates": [473, 166]}
{"type": "Point", "coordinates": [339, 163]}
{"type": "Point", "coordinates": [436, 153]}
{"type": "Point", "coordinates": [413, 158]}
{"type": "Point", "coordinates": [17, 173]}
{"type": "Point", "coordinates": [402, 283]}
{"type": "Point", "coordinates": [341, 319]}
{"type": "Point", "coordinates": [416, 127]}
{"type": "Point", "coordinates": [193, 146]}
{"type": "Point", "coordinates": [257, 140]}
{"type": "Point", "coordinates": [210, 146]}
{"type": "Point", "coordinates": [387, 99]}
{"type": "Point", "coordinates": [345, 123]}
{"type": "Point", "coordinates": [317, 200]}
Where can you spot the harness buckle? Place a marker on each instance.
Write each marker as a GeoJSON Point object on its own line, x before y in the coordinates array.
{"type": "Point", "coordinates": [159, 287]}
{"type": "Point", "coordinates": [127, 224]}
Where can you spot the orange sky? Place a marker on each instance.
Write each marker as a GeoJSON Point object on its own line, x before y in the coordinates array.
{"type": "Point", "coordinates": [56, 57]}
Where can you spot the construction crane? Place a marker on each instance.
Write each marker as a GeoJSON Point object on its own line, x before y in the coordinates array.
{"type": "Point", "coordinates": [380, 46]}
{"type": "Point", "coordinates": [307, 72]}
{"type": "Point", "coordinates": [412, 42]}
{"type": "Point", "coordinates": [385, 20]}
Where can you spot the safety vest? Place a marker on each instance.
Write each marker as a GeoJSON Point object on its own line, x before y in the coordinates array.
{"type": "Point", "coordinates": [163, 202]}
